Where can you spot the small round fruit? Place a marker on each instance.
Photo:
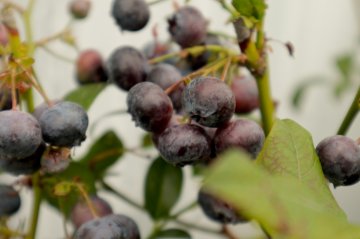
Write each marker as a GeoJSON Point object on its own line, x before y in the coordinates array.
{"type": "Point", "coordinates": [20, 135]}
{"type": "Point", "coordinates": [64, 124]}
{"type": "Point", "coordinates": [55, 160]}
{"type": "Point", "coordinates": [26, 166]}
{"type": "Point", "coordinates": [218, 210]}
{"type": "Point", "coordinates": [81, 213]}
{"type": "Point", "coordinates": [127, 67]}
{"type": "Point", "coordinates": [243, 134]}
{"type": "Point", "coordinates": [90, 68]}
{"type": "Point", "coordinates": [340, 160]}
{"type": "Point", "coordinates": [184, 144]}
{"type": "Point", "coordinates": [209, 101]}
{"type": "Point", "coordinates": [10, 200]}
{"type": "Point", "coordinates": [188, 27]}
{"type": "Point", "coordinates": [111, 226]}
{"type": "Point", "coordinates": [5, 99]}
{"type": "Point", "coordinates": [149, 106]}
{"type": "Point", "coordinates": [130, 15]}
{"type": "Point", "coordinates": [246, 94]}
{"type": "Point", "coordinates": [80, 9]}
{"type": "Point", "coordinates": [42, 107]}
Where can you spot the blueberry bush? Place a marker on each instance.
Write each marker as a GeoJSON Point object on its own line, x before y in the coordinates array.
{"type": "Point", "coordinates": [193, 97]}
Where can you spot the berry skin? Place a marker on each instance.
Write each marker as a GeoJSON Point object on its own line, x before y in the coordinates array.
{"type": "Point", "coordinates": [130, 15]}
{"type": "Point", "coordinates": [209, 101]}
{"type": "Point", "coordinates": [5, 99]}
{"type": "Point", "coordinates": [20, 135]}
{"type": "Point", "coordinates": [90, 68]}
{"type": "Point", "coordinates": [112, 226]}
{"type": "Point", "coordinates": [165, 75]}
{"type": "Point", "coordinates": [246, 94]}
{"type": "Point", "coordinates": [80, 9]}
{"type": "Point", "coordinates": [26, 166]}
{"type": "Point", "coordinates": [149, 106]}
{"type": "Point", "coordinates": [10, 201]}
{"type": "Point", "coordinates": [64, 124]}
{"type": "Point", "coordinates": [218, 210]}
{"type": "Point", "coordinates": [241, 133]}
{"type": "Point", "coordinates": [340, 160]}
{"type": "Point", "coordinates": [55, 160]}
{"type": "Point", "coordinates": [81, 213]}
{"type": "Point", "coordinates": [184, 144]}
{"type": "Point", "coordinates": [42, 107]}
{"type": "Point", "coordinates": [188, 27]}
{"type": "Point", "coordinates": [127, 67]}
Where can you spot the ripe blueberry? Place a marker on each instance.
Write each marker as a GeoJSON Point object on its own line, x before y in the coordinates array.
{"type": "Point", "coordinates": [80, 9]}
{"type": "Point", "coordinates": [10, 200]}
{"type": "Point", "coordinates": [246, 94]}
{"type": "Point", "coordinates": [90, 68]}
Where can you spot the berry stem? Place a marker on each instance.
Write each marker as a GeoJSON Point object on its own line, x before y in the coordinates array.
{"type": "Point", "coordinates": [13, 90]}
{"type": "Point", "coordinates": [36, 206]}
{"type": "Point", "coordinates": [53, 37]}
{"type": "Point", "coordinates": [350, 115]}
{"type": "Point", "coordinates": [85, 195]}
{"type": "Point", "coordinates": [57, 55]}
{"type": "Point", "coordinates": [154, 2]}
{"type": "Point", "coordinates": [226, 69]}
{"type": "Point", "coordinates": [228, 233]}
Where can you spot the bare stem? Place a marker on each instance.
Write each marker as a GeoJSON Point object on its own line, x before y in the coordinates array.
{"type": "Point", "coordinates": [36, 206]}
{"type": "Point", "coordinates": [85, 195]}
{"type": "Point", "coordinates": [13, 90]}
{"type": "Point", "coordinates": [350, 115]}
{"type": "Point", "coordinates": [226, 69]}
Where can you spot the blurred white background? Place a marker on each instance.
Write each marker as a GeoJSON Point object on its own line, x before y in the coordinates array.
{"type": "Point", "coordinates": [319, 29]}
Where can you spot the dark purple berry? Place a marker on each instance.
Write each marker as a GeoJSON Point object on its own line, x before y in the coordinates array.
{"type": "Point", "coordinates": [9, 201]}
{"type": "Point", "coordinates": [112, 226]}
{"type": "Point", "coordinates": [55, 160]}
{"type": "Point", "coordinates": [5, 99]}
{"type": "Point", "coordinates": [127, 67]}
{"type": "Point", "coordinates": [27, 166]}
{"type": "Point", "coordinates": [340, 160]}
{"type": "Point", "coordinates": [81, 213]}
{"type": "Point", "coordinates": [243, 134]}
{"type": "Point", "coordinates": [209, 101]}
{"type": "Point", "coordinates": [80, 9]}
{"type": "Point", "coordinates": [42, 107]}
{"type": "Point", "coordinates": [149, 106]}
{"type": "Point", "coordinates": [90, 68]}
{"type": "Point", "coordinates": [20, 135]}
{"type": "Point", "coordinates": [130, 15]}
{"type": "Point", "coordinates": [218, 210]}
{"type": "Point", "coordinates": [188, 27]}
{"type": "Point", "coordinates": [64, 124]}
{"type": "Point", "coordinates": [166, 75]}
{"type": "Point", "coordinates": [246, 94]}
{"type": "Point", "coordinates": [184, 144]}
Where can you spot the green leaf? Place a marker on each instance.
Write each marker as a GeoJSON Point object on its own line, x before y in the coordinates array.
{"type": "Point", "coordinates": [163, 186]}
{"type": "Point", "coordinates": [147, 141]}
{"type": "Point", "coordinates": [250, 8]}
{"type": "Point", "coordinates": [285, 206]}
{"type": "Point", "coordinates": [172, 233]}
{"type": "Point", "coordinates": [85, 95]}
{"type": "Point", "coordinates": [62, 189]}
{"type": "Point", "coordinates": [289, 151]}
{"type": "Point", "coordinates": [105, 152]}
{"type": "Point", "coordinates": [345, 66]}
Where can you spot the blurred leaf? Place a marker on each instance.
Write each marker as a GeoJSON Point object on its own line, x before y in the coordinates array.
{"type": "Point", "coordinates": [250, 8]}
{"type": "Point", "coordinates": [105, 152]}
{"type": "Point", "coordinates": [85, 95]}
{"type": "Point", "coordinates": [75, 172]}
{"type": "Point", "coordinates": [300, 91]}
{"type": "Point", "coordinates": [289, 151]}
{"type": "Point", "coordinates": [62, 189]}
{"type": "Point", "coordinates": [285, 206]}
{"type": "Point", "coordinates": [345, 66]}
{"type": "Point", "coordinates": [163, 186]}
{"type": "Point", "coordinates": [146, 141]}
{"type": "Point", "coordinates": [171, 233]}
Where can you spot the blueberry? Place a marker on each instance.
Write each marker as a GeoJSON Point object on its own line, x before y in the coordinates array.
{"type": "Point", "coordinates": [10, 201]}
{"type": "Point", "coordinates": [5, 99]}
{"type": "Point", "coordinates": [340, 160]}
{"type": "Point", "coordinates": [55, 160]}
{"type": "Point", "coordinates": [127, 67]}
{"type": "Point", "coordinates": [20, 135]}
{"type": "Point", "coordinates": [42, 107]}
{"type": "Point", "coordinates": [218, 210]}
{"type": "Point", "coordinates": [27, 166]}
{"type": "Point", "coordinates": [130, 15]}
{"type": "Point", "coordinates": [149, 106]}
{"type": "Point", "coordinates": [112, 226]}
{"type": "Point", "coordinates": [243, 134]}
{"type": "Point", "coordinates": [64, 124]}
{"type": "Point", "coordinates": [209, 101]}
{"type": "Point", "coordinates": [246, 94]}
{"type": "Point", "coordinates": [184, 144]}
{"type": "Point", "coordinates": [80, 9]}
{"type": "Point", "coordinates": [188, 27]}
{"type": "Point", "coordinates": [166, 75]}
{"type": "Point", "coordinates": [90, 68]}
{"type": "Point", "coordinates": [81, 213]}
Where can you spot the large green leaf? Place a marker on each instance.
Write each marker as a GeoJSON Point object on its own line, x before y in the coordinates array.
{"type": "Point", "coordinates": [172, 233]}
{"type": "Point", "coordinates": [250, 8]}
{"type": "Point", "coordinates": [283, 205]}
{"type": "Point", "coordinates": [289, 151]}
{"type": "Point", "coordinates": [105, 152]}
{"type": "Point", "coordinates": [85, 95]}
{"type": "Point", "coordinates": [163, 186]}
